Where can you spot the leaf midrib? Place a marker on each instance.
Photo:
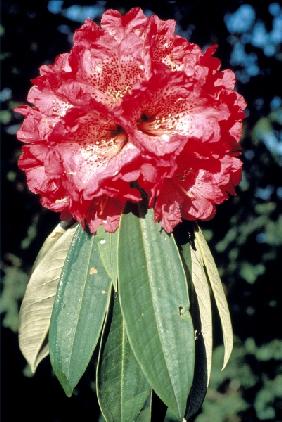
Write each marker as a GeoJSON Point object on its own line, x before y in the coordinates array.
{"type": "Point", "coordinates": [80, 304]}
{"type": "Point", "coordinates": [158, 323]}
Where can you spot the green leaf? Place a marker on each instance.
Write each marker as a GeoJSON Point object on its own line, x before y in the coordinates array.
{"type": "Point", "coordinates": [155, 305]}
{"type": "Point", "coordinates": [170, 416]}
{"type": "Point", "coordinates": [218, 292]}
{"type": "Point", "coordinates": [145, 414]}
{"type": "Point", "coordinates": [37, 304]}
{"type": "Point", "coordinates": [108, 248]}
{"type": "Point", "coordinates": [194, 262]}
{"type": "Point", "coordinates": [121, 386]}
{"type": "Point", "coordinates": [79, 310]}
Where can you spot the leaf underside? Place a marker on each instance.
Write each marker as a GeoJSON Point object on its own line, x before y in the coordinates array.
{"type": "Point", "coordinates": [199, 386]}
{"type": "Point", "coordinates": [53, 237]}
{"type": "Point", "coordinates": [37, 304]}
{"type": "Point", "coordinates": [218, 292]}
{"type": "Point", "coordinates": [193, 260]}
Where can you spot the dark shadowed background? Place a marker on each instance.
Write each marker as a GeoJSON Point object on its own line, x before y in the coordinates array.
{"type": "Point", "coordinates": [245, 236]}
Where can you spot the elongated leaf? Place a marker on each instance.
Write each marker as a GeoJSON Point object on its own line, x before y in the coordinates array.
{"type": "Point", "coordinates": [200, 381]}
{"type": "Point", "coordinates": [219, 294]}
{"type": "Point", "coordinates": [121, 386]}
{"type": "Point", "coordinates": [79, 310]}
{"type": "Point", "coordinates": [108, 248]}
{"type": "Point", "coordinates": [37, 304]}
{"type": "Point", "coordinates": [155, 305]}
{"type": "Point", "coordinates": [194, 262]}
{"type": "Point", "coordinates": [49, 242]}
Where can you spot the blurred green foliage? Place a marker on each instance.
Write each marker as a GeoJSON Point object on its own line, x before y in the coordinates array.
{"type": "Point", "coordinates": [245, 236]}
{"type": "Point", "coordinates": [229, 390]}
{"type": "Point", "coordinates": [14, 285]}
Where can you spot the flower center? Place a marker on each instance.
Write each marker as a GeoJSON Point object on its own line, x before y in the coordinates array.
{"type": "Point", "coordinates": [157, 126]}
{"type": "Point", "coordinates": [99, 151]}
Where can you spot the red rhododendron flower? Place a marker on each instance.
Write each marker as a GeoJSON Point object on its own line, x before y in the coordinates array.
{"type": "Point", "coordinates": [132, 102]}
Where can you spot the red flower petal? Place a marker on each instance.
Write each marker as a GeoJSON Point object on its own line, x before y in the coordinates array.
{"type": "Point", "coordinates": [118, 26]}
{"type": "Point", "coordinates": [132, 102]}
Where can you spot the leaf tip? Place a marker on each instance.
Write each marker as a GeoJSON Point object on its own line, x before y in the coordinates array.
{"type": "Point", "coordinates": [32, 368]}
{"type": "Point", "coordinates": [67, 387]}
{"type": "Point", "coordinates": [226, 360]}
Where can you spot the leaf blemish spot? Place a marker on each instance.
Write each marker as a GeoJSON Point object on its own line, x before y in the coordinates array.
{"type": "Point", "coordinates": [104, 292]}
{"type": "Point", "coordinates": [102, 241]}
{"type": "Point", "coordinates": [93, 270]}
{"type": "Point", "coordinates": [181, 310]}
{"type": "Point", "coordinates": [183, 313]}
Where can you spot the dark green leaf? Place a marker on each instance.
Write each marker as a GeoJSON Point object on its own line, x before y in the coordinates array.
{"type": "Point", "coordinates": [145, 414]}
{"type": "Point", "coordinates": [108, 248]}
{"type": "Point", "coordinates": [121, 386]}
{"type": "Point", "coordinates": [170, 416]}
{"type": "Point", "coordinates": [155, 305]}
{"type": "Point", "coordinates": [79, 310]}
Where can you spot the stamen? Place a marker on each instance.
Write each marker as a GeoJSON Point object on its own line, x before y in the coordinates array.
{"type": "Point", "coordinates": [157, 126]}
{"type": "Point", "coordinates": [97, 152]}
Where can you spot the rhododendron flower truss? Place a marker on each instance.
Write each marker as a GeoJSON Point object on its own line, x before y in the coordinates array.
{"type": "Point", "coordinates": [131, 109]}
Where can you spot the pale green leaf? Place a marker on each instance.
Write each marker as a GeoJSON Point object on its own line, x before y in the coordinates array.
{"type": "Point", "coordinates": [39, 297]}
{"type": "Point", "coordinates": [199, 386]}
{"type": "Point", "coordinates": [122, 388]}
{"type": "Point", "coordinates": [49, 242]}
{"type": "Point", "coordinates": [79, 310]}
{"type": "Point", "coordinates": [155, 305]}
{"type": "Point", "coordinates": [199, 280]}
{"type": "Point", "coordinates": [219, 294]}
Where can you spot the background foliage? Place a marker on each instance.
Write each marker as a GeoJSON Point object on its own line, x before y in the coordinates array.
{"type": "Point", "coordinates": [245, 235]}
